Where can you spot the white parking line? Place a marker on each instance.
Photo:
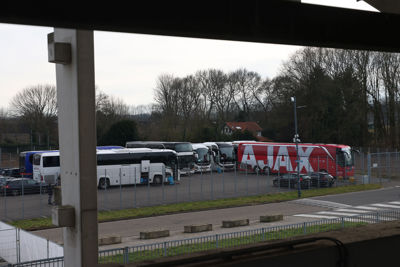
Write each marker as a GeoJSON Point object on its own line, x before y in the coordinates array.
{"type": "Point", "coordinates": [386, 206]}
{"type": "Point", "coordinates": [337, 213]}
{"type": "Point", "coordinates": [316, 216]}
{"type": "Point", "coordinates": [353, 210]}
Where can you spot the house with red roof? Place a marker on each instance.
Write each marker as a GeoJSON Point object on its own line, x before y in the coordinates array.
{"type": "Point", "coordinates": [250, 126]}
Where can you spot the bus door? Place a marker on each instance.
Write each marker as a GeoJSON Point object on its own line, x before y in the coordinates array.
{"type": "Point", "coordinates": [126, 174]}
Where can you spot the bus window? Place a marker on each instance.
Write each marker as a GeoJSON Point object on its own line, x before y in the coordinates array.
{"type": "Point", "coordinates": [52, 161]}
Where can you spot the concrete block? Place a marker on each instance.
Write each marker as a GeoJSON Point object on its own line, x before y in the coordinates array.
{"type": "Point", "coordinates": [154, 234]}
{"type": "Point", "coordinates": [109, 240]}
{"type": "Point", "coordinates": [197, 228]}
{"type": "Point", "coordinates": [235, 223]}
{"type": "Point", "coordinates": [271, 218]}
{"type": "Point", "coordinates": [63, 216]}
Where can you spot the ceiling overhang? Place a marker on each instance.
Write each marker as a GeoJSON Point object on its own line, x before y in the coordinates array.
{"type": "Point", "coordinates": [277, 22]}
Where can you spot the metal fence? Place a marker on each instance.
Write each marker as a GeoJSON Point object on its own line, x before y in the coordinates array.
{"type": "Point", "coordinates": [227, 240]}
{"type": "Point", "coordinates": [196, 187]}
{"type": "Point", "coordinates": [380, 167]}
{"type": "Point", "coordinates": [369, 168]}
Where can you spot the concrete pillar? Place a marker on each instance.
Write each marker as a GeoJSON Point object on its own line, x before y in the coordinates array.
{"type": "Point", "coordinates": [77, 138]}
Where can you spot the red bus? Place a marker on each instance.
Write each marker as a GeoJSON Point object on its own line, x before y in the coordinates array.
{"type": "Point", "coordinates": [280, 158]}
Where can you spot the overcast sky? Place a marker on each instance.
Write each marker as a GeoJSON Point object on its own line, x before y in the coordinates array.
{"type": "Point", "coordinates": [127, 65]}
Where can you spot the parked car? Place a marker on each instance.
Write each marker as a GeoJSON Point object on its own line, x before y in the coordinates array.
{"type": "Point", "coordinates": [11, 172]}
{"type": "Point", "coordinates": [290, 180]}
{"type": "Point", "coordinates": [322, 179]}
{"type": "Point", "coordinates": [16, 186]}
{"type": "Point", "coordinates": [3, 180]}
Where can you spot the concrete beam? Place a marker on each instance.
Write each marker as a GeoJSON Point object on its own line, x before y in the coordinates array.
{"type": "Point", "coordinates": [282, 22]}
{"type": "Point", "coordinates": [386, 6]}
{"type": "Point", "coordinates": [77, 138]}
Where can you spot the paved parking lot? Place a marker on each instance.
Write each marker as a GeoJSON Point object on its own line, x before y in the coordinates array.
{"type": "Point", "coordinates": [206, 186]}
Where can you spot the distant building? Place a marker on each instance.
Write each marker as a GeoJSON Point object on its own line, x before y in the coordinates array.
{"type": "Point", "coordinates": [250, 126]}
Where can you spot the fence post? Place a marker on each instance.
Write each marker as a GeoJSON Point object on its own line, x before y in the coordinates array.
{"type": "Point", "coordinates": [387, 163]}
{"type": "Point", "coordinates": [379, 167]}
{"type": "Point", "coordinates": [212, 187]}
{"type": "Point", "coordinates": [165, 248]}
{"type": "Point", "coordinates": [134, 169]}
{"type": "Point", "coordinates": [216, 240]}
{"type": "Point", "coordinates": [342, 222]}
{"type": "Point", "coordinates": [369, 166]}
{"type": "Point", "coordinates": [48, 249]}
{"type": "Point", "coordinates": [263, 233]}
{"type": "Point", "coordinates": [126, 255]}
{"type": "Point", "coordinates": [305, 228]}
{"type": "Point", "coordinates": [120, 188]}
{"type": "Point", "coordinates": [5, 202]}
{"type": "Point", "coordinates": [18, 245]}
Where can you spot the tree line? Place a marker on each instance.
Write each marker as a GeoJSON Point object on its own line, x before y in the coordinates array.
{"type": "Point", "coordinates": [349, 97]}
{"type": "Point", "coordinates": [34, 110]}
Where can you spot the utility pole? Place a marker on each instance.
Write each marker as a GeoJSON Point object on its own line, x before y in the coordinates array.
{"type": "Point", "coordinates": [296, 140]}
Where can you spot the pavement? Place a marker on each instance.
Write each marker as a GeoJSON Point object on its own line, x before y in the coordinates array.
{"type": "Point", "coordinates": [129, 230]}
{"type": "Point", "coordinates": [296, 211]}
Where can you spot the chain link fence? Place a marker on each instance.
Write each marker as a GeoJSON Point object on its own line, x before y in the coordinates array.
{"type": "Point", "coordinates": [382, 167]}
{"type": "Point", "coordinates": [378, 167]}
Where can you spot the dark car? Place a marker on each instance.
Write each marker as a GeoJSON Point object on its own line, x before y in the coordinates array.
{"type": "Point", "coordinates": [3, 180]}
{"type": "Point", "coordinates": [290, 180]}
{"type": "Point", "coordinates": [322, 179]}
{"type": "Point", "coordinates": [11, 172]}
{"type": "Point", "coordinates": [16, 186]}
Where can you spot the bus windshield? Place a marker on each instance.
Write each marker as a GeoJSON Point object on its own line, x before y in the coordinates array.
{"type": "Point", "coordinates": [36, 159]}
{"type": "Point", "coordinates": [345, 158]}
{"type": "Point", "coordinates": [203, 155]}
{"type": "Point", "coordinates": [227, 153]}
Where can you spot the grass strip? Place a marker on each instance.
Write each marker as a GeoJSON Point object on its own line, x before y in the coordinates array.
{"type": "Point", "coordinates": [104, 216]}
{"type": "Point", "coordinates": [192, 246]}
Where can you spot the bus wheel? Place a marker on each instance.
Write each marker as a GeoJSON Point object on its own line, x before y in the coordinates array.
{"type": "Point", "coordinates": [256, 169]}
{"type": "Point", "coordinates": [157, 180]}
{"type": "Point", "coordinates": [104, 183]}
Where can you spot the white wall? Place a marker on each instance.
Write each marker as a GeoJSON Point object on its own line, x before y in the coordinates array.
{"type": "Point", "coordinates": [31, 247]}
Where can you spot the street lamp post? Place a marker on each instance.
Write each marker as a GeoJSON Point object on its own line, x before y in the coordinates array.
{"type": "Point", "coordinates": [296, 140]}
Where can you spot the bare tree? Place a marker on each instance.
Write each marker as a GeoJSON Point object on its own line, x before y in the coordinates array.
{"type": "Point", "coordinates": [189, 97]}
{"type": "Point", "coordinates": [35, 103]}
{"type": "Point", "coordinates": [37, 106]}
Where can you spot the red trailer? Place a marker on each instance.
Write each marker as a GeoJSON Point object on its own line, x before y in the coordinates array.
{"type": "Point", "coordinates": [281, 158]}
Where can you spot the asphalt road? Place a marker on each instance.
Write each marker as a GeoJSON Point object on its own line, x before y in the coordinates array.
{"type": "Point", "coordinates": [195, 187]}
{"type": "Point", "coordinates": [365, 197]}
